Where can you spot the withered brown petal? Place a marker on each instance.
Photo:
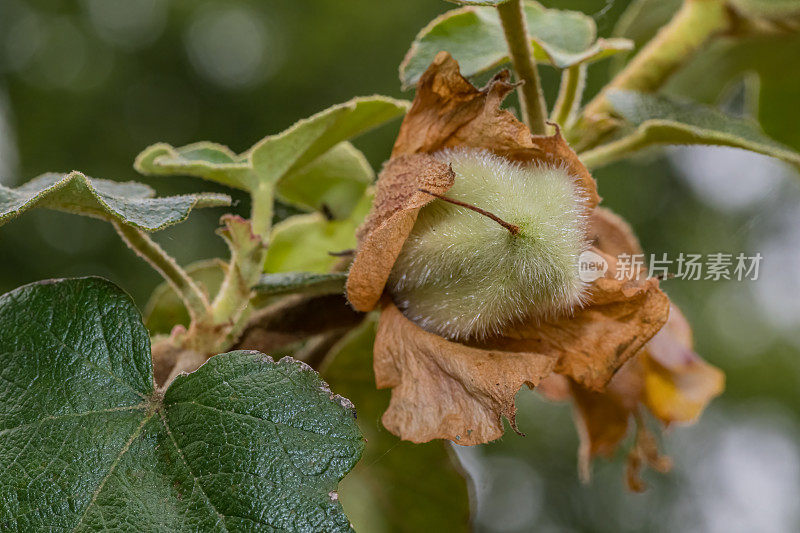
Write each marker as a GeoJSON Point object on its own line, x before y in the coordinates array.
{"type": "Point", "coordinates": [398, 200]}
{"type": "Point", "coordinates": [446, 390]}
{"type": "Point", "coordinates": [593, 343]}
{"type": "Point", "coordinates": [678, 383]}
{"type": "Point", "coordinates": [601, 419]}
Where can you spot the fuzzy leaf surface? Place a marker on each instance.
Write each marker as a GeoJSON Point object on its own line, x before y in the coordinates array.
{"type": "Point", "coordinates": [129, 202]}
{"type": "Point", "coordinates": [662, 120]}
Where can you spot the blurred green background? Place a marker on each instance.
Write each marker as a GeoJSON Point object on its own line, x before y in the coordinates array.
{"type": "Point", "coordinates": [86, 85]}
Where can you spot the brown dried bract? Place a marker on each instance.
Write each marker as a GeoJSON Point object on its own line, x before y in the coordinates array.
{"type": "Point", "coordinates": [445, 390]}
{"type": "Point", "coordinates": [394, 211]}
{"type": "Point", "coordinates": [594, 342]}
{"type": "Point", "coordinates": [448, 111]}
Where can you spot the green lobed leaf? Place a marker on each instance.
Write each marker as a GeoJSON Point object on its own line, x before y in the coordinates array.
{"type": "Point", "coordinates": [307, 283]}
{"type": "Point", "coordinates": [474, 37]}
{"type": "Point", "coordinates": [129, 202]}
{"type": "Point", "coordinates": [87, 444]}
{"type": "Point", "coordinates": [310, 164]}
{"type": "Point", "coordinates": [165, 309]}
{"type": "Point", "coordinates": [303, 242]}
{"type": "Point", "coordinates": [398, 486]}
{"type": "Point", "coordinates": [661, 120]}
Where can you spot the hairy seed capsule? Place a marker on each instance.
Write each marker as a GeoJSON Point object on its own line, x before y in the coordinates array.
{"type": "Point", "coordinates": [463, 275]}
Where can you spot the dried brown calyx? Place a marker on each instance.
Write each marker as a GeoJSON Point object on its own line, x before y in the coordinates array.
{"type": "Point", "coordinates": [461, 390]}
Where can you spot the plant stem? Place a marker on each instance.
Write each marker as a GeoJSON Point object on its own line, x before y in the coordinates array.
{"type": "Point", "coordinates": [531, 97]}
{"type": "Point", "coordinates": [141, 243]}
{"type": "Point", "coordinates": [690, 28]}
{"type": "Point", "coordinates": [570, 91]}
{"type": "Point", "coordinates": [612, 151]}
{"type": "Point", "coordinates": [261, 210]}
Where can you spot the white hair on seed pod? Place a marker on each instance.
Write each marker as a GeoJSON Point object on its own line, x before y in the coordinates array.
{"type": "Point", "coordinates": [464, 276]}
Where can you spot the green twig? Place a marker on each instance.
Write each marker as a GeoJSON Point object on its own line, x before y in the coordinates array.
{"type": "Point", "coordinates": [573, 81]}
{"type": "Point", "coordinates": [261, 211]}
{"type": "Point", "coordinates": [193, 298]}
{"type": "Point", "coordinates": [688, 31]}
{"type": "Point", "coordinates": [608, 153]}
{"type": "Point", "coordinates": [531, 97]}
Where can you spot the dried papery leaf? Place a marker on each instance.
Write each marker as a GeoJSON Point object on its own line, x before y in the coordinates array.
{"type": "Point", "coordinates": [446, 103]}
{"type": "Point", "coordinates": [398, 200]}
{"type": "Point", "coordinates": [446, 390]}
{"type": "Point", "coordinates": [448, 111]}
{"type": "Point", "coordinates": [667, 377]}
{"type": "Point", "coordinates": [593, 343]}
{"type": "Point", "coordinates": [678, 384]}
{"type": "Point", "coordinates": [601, 419]}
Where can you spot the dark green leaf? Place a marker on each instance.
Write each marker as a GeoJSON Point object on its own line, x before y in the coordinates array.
{"type": "Point", "coordinates": [474, 37]}
{"type": "Point", "coordinates": [87, 444]}
{"type": "Point", "coordinates": [661, 120]}
{"type": "Point", "coordinates": [307, 283]}
{"type": "Point", "coordinates": [399, 486]}
{"type": "Point", "coordinates": [130, 202]}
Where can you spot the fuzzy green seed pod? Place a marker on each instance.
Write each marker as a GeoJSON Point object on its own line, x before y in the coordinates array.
{"type": "Point", "coordinates": [467, 273]}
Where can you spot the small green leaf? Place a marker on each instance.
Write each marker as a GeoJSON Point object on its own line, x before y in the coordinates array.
{"type": "Point", "coordinates": [309, 162]}
{"type": "Point", "coordinates": [165, 309]}
{"type": "Point", "coordinates": [130, 202]}
{"type": "Point", "coordinates": [302, 243]}
{"type": "Point", "coordinates": [206, 160]}
{"type": "Point", "coordinates": [307, 283]}
{"type": "Point", "coordinates": [331, 183]}
{"type": "Point", "coordinates": [277, 155]}
{"type": "Point", "coordinates": [474, 37]}
{"type": "Point", "coordinates": [661, 120]}
{"type": "Point", "coordinates": [87, 444]}
{"type": "Point", "coordinates": [378, 494]}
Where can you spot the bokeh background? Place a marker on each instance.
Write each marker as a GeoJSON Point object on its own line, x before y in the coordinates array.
{"type": "Point", "coordinates": [87, 84]}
